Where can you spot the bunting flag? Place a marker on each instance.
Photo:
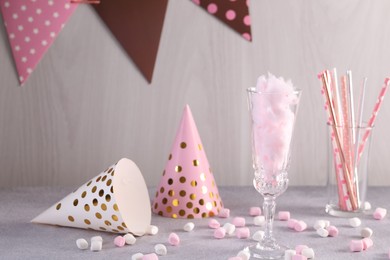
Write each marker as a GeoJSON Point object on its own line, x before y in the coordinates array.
{"type": "Point", "coordinates": [137, 25]}
{"type": "Point", "coordinates": [32, 26]}
{"type": "Point", "coordinates": [234, 13]}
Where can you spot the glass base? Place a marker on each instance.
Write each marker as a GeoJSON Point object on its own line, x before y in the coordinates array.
{"type": "Point", "coordinates": [266, 250]}
{"type": "Point", "coordinates": [335, 211]}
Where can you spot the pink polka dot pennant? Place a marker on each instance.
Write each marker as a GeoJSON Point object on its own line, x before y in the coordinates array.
{"type": "Point", "coordinates": [234, 13]}
{"type": "Point", "coordinates": [32, 26]}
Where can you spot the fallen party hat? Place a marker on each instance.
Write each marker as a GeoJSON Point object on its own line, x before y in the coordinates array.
{"type": "Point", "coordinates": [187, 188]}
{"type": "Point", "coordinates": [117, 200]}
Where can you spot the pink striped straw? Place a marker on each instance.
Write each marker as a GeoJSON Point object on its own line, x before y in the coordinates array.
{"type": "Point", "coordinates": [373, 115]}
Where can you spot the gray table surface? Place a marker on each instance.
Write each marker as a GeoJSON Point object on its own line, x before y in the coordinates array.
{"type": "Point", "coordinates": [20, 239]}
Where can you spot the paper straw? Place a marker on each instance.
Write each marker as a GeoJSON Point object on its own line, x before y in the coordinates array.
{"type": "Point", "coordinates": [336, 98]}
{"type": "Point", "coordinates": [351, 105]}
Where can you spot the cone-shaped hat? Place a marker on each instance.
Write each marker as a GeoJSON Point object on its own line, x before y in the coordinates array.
{"type": "Point", "coordinates": [116, 200]}
{"type": "Point", "coordinates": [187, 188]}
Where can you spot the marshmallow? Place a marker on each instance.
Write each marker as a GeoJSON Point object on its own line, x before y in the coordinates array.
{"type": "Point", "coordinates": [244, 254]}
{"type": "Point", "coordinates": [229, 228]}
{"type": "Point", "coordinates": [367, 243]}
{"type": "Point", "coordinates": [333, 231]}
{"type": "Point", "coordinates": [224, 213]}
{"type": "Point", "coordinates": [189, 226]}
{"type": "Point", "coordinates": [284, 215]}
{"type": "Point", "coordinates": [160, 249]}
{"type": "Point", "coordinates": [239, 222]}
{"type": "Point", "coordinates": [151, 256]}
{"type": "Point", "coordinates": [259, 220]}
{"type": "Point", "coordinates": [82, 243]}
{"type": "Point", "coordinates": [322, 232]}
{"type": "Point", "coordinates": [291, 223]}
{"type": "Point", "coordinates": [219, 233]}
{"type": "Point", "coordinates": [326, 222]}
{"type": "Point", "coordinates": [354, 222]}
{"type": "Point", "coordinates": [300, 226]}
{"type": "Point", "coordinates": [99, 238]}
{"type": "Point", "coordinates": [137, 256]}
{"type": "Point", "coordinates": [129, 239]}
{"type": "Point", "coordinates": [298, 257]}
{"type": "Point", "coordinates": [152, 230]}
{"type": "Point", "coordinates": [308, 252]}
{"type": "Point", "coordinates": [379, 213]}
{"type": "Point", "coordinates": [288, 254]}
{"type": "Point", "coordinates": [243, 232]}
{"type": "Point", "coordinates": [366, 232]}
{"type": "Point", "coordinates": [213, 223]}
{"type": "Point", "coordinates": [119, 241]}
{"type": "Point", "coordinates": [174, 239]}
{"type": "Point", "coordinates": [255, 211]}
{"type": "Point", "coordinates": [367, 205]}
{"type": "Point", "coordinates": [258, 236]}
{"type": "Point", "coordinates": [319, 224]}
{"type": "Point", "coordinates": [96, 245]}
{"type": "Point", "coordinates": [356, 245]}
{"type": "Point", "coordinates": [299, 248]}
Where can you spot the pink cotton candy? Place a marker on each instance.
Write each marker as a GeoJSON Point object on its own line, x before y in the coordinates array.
{"type": "Point", "coordinates": [174, 239]}
{"type": "Point", "coordinates": [333, 231]}
{"type": "Point", "coordinates": [219, 233]}
{"type": "Point", "coordinates": [300, 226]}
{"type": "Point", "coordinates": [284, 215]}
{"type": "Point", "coordinates": [379, 213]}
{"type": "Point", "coordinates": [367, 243]}
{"type": "Point", "coordinates": [243, 232]}
{"type": "Point", "coordinates": [224, 213]}
{"type": "Point", "coordinates": [255, 211]}
{"type": "Point", "coordinates": [119, 241]}
{"type": "Point", "coordinates": [298, 257]}
{"type": "Point", "coordinates": [239, 222]}
{"type": "Point", "coordinates": [151, 256]}
{"type": "Point", "coordinates": [299, 248]}
{"type": "Point", "coordinates": [291, 223]}
{"type": "Point", "coordinates": [213, 223]}
{"type": "Point", "coordinates": [356, 245]}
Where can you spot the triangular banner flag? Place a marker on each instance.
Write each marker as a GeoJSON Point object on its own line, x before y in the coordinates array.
{"type": "Point", "coordinates": [187, 188]}
{"type": "Point", "coordinates": [32, 26]}
{"type": "Point", "coordinates": [137, 25]}
{"type": "Point", "coordinates": [116, 200]}
{"type": "Point", "coordinates": [234, 13]}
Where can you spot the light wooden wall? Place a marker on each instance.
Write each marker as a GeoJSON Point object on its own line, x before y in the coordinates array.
{"type": "Point", "coordinates": [86, 105]}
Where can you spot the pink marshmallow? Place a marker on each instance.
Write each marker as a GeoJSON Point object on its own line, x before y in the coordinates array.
{"type": "Point", "coordinates": [151, 256]}
{"type": "Point", "coordinates": [174, 239]}
{"type": "Point", "coordinates": [298, 257]}
{"type": "Point", "coordinates": [224, 213]}
{"type": "Point", "coordinates": [291, 223]}
{"type": "Point", "coordinates": [243, 232]}
{"type": "Point", "coordinates": [367, 243]}
{"type": "Point", "coordinates": [300, 226]}
{"type": "Point", "coordinates": [239, 222]}
{"type": "Point", "coordinates": [284, 215]}
{"type": "Point", "coordinates": [219, 233]}
{"type": "Point", "coordinates": [356, 245]}
{"type": "Point", "coordinates": [119, 241]}
{"type": "Point", "coordinates": [299, 248]}
{"type": "Point", "coordinates": [255, 211]}
{"type": "Point", "coordinates": [213, 223]}
{"type": "Point", "coordinates": [379, 213]}
{"type": "Point", "coordinates": [333, 231]}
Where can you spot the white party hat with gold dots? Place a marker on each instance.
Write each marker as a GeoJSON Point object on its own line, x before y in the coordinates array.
{"type": "Point", "coordinates": [117, 200]}
{"type": "Point", "coordinates": [187, 188]}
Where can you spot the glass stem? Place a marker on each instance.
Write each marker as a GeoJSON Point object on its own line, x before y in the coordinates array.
{"type": "Point", "coordinates": [269, 213]}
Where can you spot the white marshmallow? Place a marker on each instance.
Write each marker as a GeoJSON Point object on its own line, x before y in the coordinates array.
{"type": "Point", "coordinates": [354, 222]}
{"type": "Point", "coordinates": [96, 245]}
{"type": "Point", "coordinates": [322, 232]}
{"type": "Point", "coordinates": [319, 224]}
{"type": "Point", "coordinates": [244, 254]}
{"type": "Point", "coordinates": [258, 236]}
{"type": "Point", "coordinates": [259, 220]}
{"type": "Point", "coordinates": [137, 256]}
{"type": "Point", "coordinates": [289, 253]}
{"type": "Point", "coordinates": [366, 232]}
{"type": "Point", "coordinates": [367, 205]}
{"type": "Point", "coordinates": [99, 238]}
{"type": "Point", "coordinates": [308, 252]}
{"type": "Point", "coordinates": [152, 230]}
{"type": "Point", "coordinates": [160, 249]}
{"type": "Point", "coordinates": [82, 243]}
{"type": "Point", "coordinates": [327, 223]}
{"type": "Point", "coordinates": [229, 228]}
{"type": "Point", "coordinates": [189, 226]}
{"type": "Point", "coordinates": [129, 239]}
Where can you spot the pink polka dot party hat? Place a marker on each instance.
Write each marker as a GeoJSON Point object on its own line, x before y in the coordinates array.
{"type": "Point", "coordinates": [187, 188]}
